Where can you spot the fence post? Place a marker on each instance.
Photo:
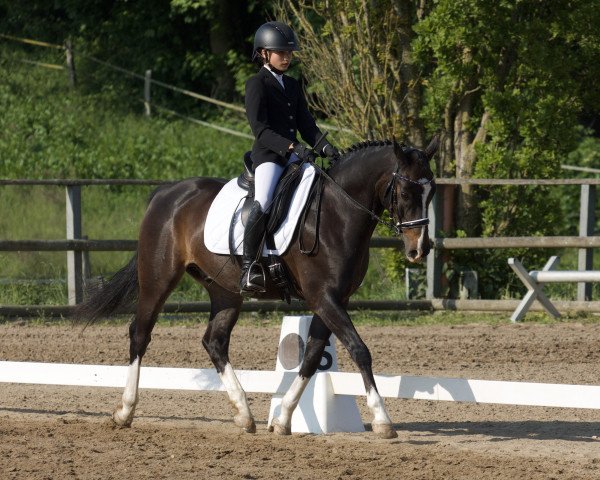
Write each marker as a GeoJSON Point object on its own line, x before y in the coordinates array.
{"type": "Point", "coordinates": [74, 258]}
{"type": "Point", "coordinates": [434, 259]}
{"type": "Point", "coordinates": [71, 63]}
{"type": "Point", "coordinates": [147, 83]}
{"type": "Point", "coordinates": [587, 221]}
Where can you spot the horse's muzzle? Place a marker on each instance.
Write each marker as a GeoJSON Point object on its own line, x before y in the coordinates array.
{"type": "Point", "coordinates": [416, 256]}
{"type": "Point", "coordinates": [416, 243]}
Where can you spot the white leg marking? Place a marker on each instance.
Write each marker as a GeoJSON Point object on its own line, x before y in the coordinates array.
{"type": "Point", "coordinates": [290, 401]}
{"type": "Point", "coordinates": [375, 403]}
{"type": "Point", "coordinates": [237, 396]}
{"type": "Point", "coordinates": [123, 415]}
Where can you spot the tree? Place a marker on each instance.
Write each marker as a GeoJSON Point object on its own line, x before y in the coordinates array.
{"type": "Point", "coordinates": [197, 44]}
{"type": "Point", "coordinates": [504, 81]}
{"type": "Point", "coordinates": [508, 83]}
{"type": "Point", "coordinates": [357, 58]}
{"type": "Point", "coordinates": [507, 86]}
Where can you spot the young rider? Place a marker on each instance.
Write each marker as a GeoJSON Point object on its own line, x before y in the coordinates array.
{"type": "Point", "coordinates": [276, 110]}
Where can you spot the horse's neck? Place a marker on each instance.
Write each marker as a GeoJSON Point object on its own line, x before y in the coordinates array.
{"type": "Point", "coordinates": [363, 176]}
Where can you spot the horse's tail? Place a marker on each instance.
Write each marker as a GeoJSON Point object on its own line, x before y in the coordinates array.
{"type": "Point", "coordinates": [109, 298]}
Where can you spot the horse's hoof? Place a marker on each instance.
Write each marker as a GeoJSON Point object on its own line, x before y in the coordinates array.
{"type": "Point", "coordinates": [245, 423]}
{"type": "Point", "coordinates": [120, 420]}
{"type": "Point", "coordinates": [279, 429]}
{"type": "Point", "coordinates": [384, 430]}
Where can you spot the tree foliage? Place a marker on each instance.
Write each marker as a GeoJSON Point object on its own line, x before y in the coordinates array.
{"type": "Point", "coordinates": [356, 56]}
{"type": "Point", "coordinates": [510, 80]}
{"type": "Point", "coordinates": [198, 44]}
{"type": "Point", "coordinates": [507, 83]}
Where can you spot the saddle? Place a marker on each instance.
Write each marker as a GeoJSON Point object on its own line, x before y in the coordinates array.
{"type": "Point", "coordinates": [282, 198]}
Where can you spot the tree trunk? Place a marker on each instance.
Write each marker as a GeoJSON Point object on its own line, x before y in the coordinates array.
{"type": "Point", "coordinates": [411, 91]}
{"type": "Point", "coordinates": [222, 39]}
{"type": "Point", "coordinates": [468, 215]}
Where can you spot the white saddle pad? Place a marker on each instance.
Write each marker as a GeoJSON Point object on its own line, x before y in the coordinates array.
{"type": "Point", "coordinates": [229, 200]}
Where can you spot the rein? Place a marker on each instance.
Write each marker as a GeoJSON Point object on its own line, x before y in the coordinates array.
{"type": "Point", "coordinates": [395, 228]}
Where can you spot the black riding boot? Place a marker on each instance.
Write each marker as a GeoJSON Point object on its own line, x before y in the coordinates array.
{"type": "Point", "coordinates": [253, 278]}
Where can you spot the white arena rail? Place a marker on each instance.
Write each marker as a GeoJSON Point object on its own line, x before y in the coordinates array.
{"type": "Point", "coordinates": [328, 404]}
{"type": "Point", "coordinates": [277, 383]}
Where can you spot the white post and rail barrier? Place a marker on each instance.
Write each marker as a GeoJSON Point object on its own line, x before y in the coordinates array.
{"type": "Point", "coordinates": [328, 404]}
{"type": "Point", "coordinates": [535, 279]}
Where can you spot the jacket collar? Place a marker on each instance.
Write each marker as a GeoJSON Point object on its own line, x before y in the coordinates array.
{"type": "Point", "coordinates": [265, 72]}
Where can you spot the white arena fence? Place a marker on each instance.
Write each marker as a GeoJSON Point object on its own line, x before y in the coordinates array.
{"type": "Point", "coordinates": [343, 383]}
{"type": "Point", "coordinates": [328, 403]}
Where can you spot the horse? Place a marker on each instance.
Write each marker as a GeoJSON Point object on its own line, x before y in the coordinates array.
{"type": "Point", "coordinates": [369, 178]}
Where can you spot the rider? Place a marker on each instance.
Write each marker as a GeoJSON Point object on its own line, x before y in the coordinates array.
{"type": "Point", "coordinates": [276, 110]}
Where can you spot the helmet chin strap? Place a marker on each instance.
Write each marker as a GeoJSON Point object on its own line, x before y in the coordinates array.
{"type": "Point", "coordinates": [268, 58]}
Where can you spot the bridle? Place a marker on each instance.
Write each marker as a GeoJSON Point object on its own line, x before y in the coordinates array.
{"type": "Point", "coordinates": [397, 227]}
{"type": "Point", "coordinates": [391, 188]}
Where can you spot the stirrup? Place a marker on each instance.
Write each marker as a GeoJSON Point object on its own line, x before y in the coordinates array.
{"type": "Point", "coordinates": [248, 286]}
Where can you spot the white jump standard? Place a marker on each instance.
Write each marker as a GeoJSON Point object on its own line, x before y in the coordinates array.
{"type": "Point", "coordinates": [534, 279]}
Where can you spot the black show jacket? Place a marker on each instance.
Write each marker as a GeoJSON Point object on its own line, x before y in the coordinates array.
{"type": "Point", "coordinates": [275, 115]}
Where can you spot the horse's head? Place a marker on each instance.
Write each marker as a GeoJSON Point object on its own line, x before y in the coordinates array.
{"type": "Point", "coordinates": [408, 196]}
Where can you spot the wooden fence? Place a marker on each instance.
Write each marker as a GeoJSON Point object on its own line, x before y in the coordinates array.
{"type": "Point", "coordinates": [76, 246]}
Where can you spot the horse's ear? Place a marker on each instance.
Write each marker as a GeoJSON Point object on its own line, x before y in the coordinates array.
{"type": "Point", "coordinates": [398, 149]}
{"type": "Point", "coordinates": [433, 146]}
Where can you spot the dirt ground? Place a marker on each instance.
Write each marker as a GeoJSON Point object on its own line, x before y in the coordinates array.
{"type": "Point", "coordinates": [49, 432]}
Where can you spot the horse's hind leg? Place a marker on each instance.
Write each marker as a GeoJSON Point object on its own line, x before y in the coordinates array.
{"type": "Point", "coordinates": [317, 341]}
{"type": "Point", "coordinates": [152, 296]}
{"type": "Point", "coordinates": [224, 312]}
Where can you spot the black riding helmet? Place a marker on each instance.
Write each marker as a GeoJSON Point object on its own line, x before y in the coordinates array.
{"type": "Point", "coordinates": [275, 36]}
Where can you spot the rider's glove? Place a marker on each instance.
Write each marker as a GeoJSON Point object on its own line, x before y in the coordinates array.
{"type": "Point", "coordinates": [304, 153]}
{"type": "Point", "coordinates": [330, 151]}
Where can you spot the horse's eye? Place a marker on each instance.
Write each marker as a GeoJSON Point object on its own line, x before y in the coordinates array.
{"type": "Point", "coordinates": [404, 195]}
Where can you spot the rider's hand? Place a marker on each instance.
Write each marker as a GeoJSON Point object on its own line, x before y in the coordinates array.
{"type": "Point", "coordinates": [304, 153]}
{"type": "Point", "coordinates": [331, 152]}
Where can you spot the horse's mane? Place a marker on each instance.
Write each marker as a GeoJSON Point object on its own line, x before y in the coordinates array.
{"type": "Point", "coordinates": [361, 146]}
{"type": "Point", "coordinates": [367, 144]}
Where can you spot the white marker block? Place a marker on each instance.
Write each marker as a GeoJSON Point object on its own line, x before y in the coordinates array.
{"type": "Point", "coordinates": [319, 409]}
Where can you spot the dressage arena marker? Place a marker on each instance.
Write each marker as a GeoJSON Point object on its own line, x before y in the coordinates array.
{"type": "Point", "coordinates": [319, 409]}
{"type": "Point", "coordinates": [329, 386]}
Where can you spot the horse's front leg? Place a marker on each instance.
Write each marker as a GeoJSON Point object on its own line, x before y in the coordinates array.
{"type": "Point", "coordinates": [317, 340]}
{"type": "Point", "coordinates": [336, 318]}
{"type": "Point", "coordinates": [225, 309]}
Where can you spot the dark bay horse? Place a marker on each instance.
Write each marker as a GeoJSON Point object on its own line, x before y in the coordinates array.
{"type": "Point", "coordinates": [371, 177]}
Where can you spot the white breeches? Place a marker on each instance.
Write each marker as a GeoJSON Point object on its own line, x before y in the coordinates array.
{"type": "Point", "coordinates": [266, 176]}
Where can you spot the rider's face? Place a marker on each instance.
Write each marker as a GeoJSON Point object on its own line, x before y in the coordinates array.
{"type": "Point", "coordinates": [280, 59]}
